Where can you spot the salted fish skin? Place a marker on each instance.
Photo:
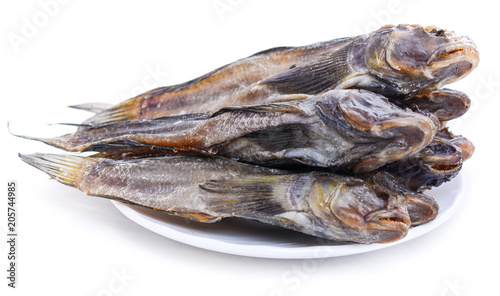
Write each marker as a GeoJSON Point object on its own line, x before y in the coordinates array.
{"type": "Point", "coordinates": [321, 204]}
{"type": "Point", "coordinates": [353, 129]}
{"type": "Point", "coordinates": [435, 164]}
{"type": "Point", "coordinates": [396, 61]}
{"type": "Point", "coordinates": [234, 84]}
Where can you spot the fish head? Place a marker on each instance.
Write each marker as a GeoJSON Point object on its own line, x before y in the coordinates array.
{"type": "Point", "coordinates": [421, 208]}
{"type": "Point", "coordinates": [379, 131]}
{"type": "Point", "coordinates": [352, 206]}
{"type": "Point", "coordinates": [441, 156]}
{"type": "Point", "coordinates": [412, 58]}
{"type": "Point", "coordinates": [438, 162]}
{"type": "Point", "coordinates": [446, 104]}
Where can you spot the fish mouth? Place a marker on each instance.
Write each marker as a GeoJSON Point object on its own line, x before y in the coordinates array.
{"type": "Point", "coordinates": [390, 218]}
{"type": "Point", "coordinates": [401, 222]}
{"type": "Point", "coordinates": [442, 157]}
{"type": "Point", "coordinates": [454, 61]}
{"type": "Point", "coordinates": [445, 168]}
{"type": "Point", "coordinates": [389, 224]}
{"type": "Point", "coordinates": [443, 165]}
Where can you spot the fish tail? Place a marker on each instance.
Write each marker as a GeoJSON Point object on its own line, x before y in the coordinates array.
{"type": "Point", "coordinates": [109, 115]}
{"type": "Point", "coordinates": [58, 142]}
{"type": "Point", "coordinates": [63, 168]}
{"type": "Point", "coordinates": [92, 107]}
{"type": "Point", "coordinates": [127, 110]}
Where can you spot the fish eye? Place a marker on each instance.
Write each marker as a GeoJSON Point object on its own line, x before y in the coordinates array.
{"type": "Point", "coordinates": [436, 32]}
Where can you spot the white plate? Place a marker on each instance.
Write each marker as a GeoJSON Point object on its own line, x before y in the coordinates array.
{"type": "Point", "coordinates": [249, 238]}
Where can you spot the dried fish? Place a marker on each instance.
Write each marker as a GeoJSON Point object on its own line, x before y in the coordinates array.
{"type": "Point", "coordinates": [438, 162]}
{"type": "Point", "coordinates": [445, 104]}
{"type": "Point", "coordinates": [353, 129]}
{"type": "Point", "coordinates": [396, 61]}
{"type": "Point", "coordinates": [435, 164]}
{"type": "Point", "coordinates": [260, 138]}
{"type": "Point", "coordinates": [321, 204]}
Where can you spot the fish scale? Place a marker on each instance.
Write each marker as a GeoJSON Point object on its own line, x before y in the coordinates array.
{"type": "Point", "coordinates": [209, 189]}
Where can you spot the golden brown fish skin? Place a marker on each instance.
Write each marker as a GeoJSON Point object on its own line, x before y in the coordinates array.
{"type": "Point", "coordinates": [353, 129]}
{"type": "Point", "coordinates": [235, 84]}
{"type": "Point", "coordinates": [321, 204]}
{"type": "Point", "coordinates": [395, 61]}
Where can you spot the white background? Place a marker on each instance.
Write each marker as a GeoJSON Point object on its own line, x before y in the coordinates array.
{"type": "Point", "coordinates": [74, 52]}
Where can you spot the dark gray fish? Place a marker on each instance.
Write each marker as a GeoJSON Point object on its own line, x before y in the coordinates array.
{"type": "Point", "coordinates": [353, 129]}
{"type": "Point", "coordinates": [321, 204]}
{"type": "Point", "coordinates": [445, 104]}
{"type": "Point", "coordinates": [396, 61]}
{"type": "Point", "coordinates": [437, 163]}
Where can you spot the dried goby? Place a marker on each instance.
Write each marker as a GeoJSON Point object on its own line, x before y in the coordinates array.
{"type": "Point", "coordinates": [396, 61]}
{"type": "Point", "coordinates": [353, 129]}
{"type": "Point", "coordinates": [438, 162]}
{"type": "Point", "coordinates": [435, 164]}
{"type": "Point", "coordinates": [321, 204]}
{"type": "Point", "coordinates": [445, 104]}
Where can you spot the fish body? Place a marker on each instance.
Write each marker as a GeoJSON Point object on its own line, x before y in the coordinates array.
{"type": "Point", "coordinates": [353, 129]}
{"type": "Point", "coordinates": [435, 164]}
{"type": "Point", "coordinates": [235, 84]}
{"type": "Point", "coordinates": [333, 207]}
{"type": "Point", "coordinates": [396, 61]}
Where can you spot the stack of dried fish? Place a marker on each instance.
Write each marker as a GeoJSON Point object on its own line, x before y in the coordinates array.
{"type": "Point", "coordinates": [336, 139]}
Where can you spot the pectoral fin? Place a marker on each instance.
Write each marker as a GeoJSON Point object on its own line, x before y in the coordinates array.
{"type": "Point", "coordinates": [281, 137]}
{"type": "Point", "coordinates": [315, 77]}
{"type": "Point", "coordinates": [247, 198]}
